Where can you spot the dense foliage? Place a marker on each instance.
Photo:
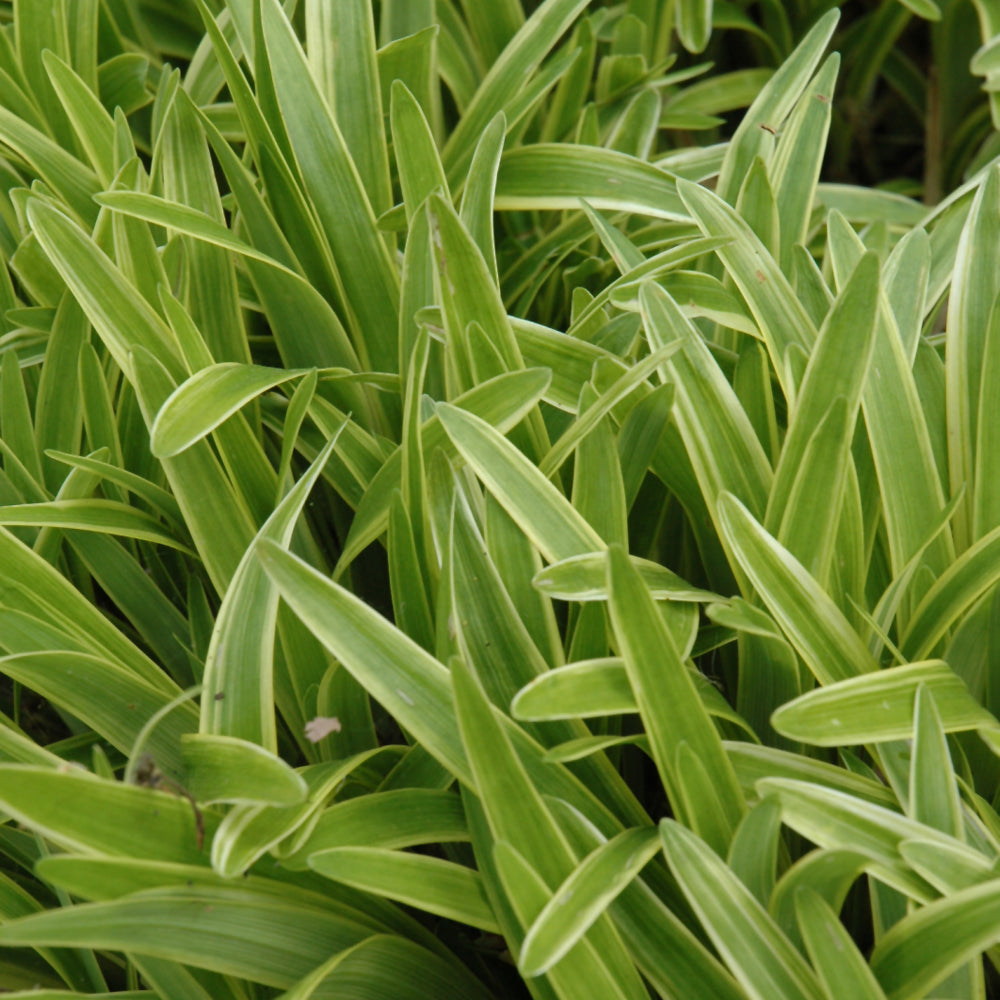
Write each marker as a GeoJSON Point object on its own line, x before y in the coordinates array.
{"type": "Point", "coordinates": [499, 499]}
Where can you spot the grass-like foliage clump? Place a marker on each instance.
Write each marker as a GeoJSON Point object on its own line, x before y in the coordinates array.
{"type": "Point", "coordinates": [499, 499]}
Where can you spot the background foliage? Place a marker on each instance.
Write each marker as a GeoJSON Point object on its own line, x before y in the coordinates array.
{"type": "Point", "coordinates": [499, 500]}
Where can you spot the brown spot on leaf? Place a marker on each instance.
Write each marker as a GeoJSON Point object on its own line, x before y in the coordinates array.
{"type": "Point", "coordinates": [322, 726]}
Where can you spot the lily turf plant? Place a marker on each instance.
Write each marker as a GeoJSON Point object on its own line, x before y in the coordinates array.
{"type": "Point", "coordinates": [499, 500]}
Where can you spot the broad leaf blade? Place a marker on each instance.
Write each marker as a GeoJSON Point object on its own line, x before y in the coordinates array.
{"type": "Point", "coordinates": [672, 713]}
{"type": "Point", "coordinates": [936, 940]}
{"type": "Point", "coordinates": [197, 406]}
{"type": "Point", "coordinates": [815, 626]}
{"type": "Point", "coordinates": [224, 769]}
{"type": "Point", "coordinates": [370, 280]}
{"type": "Point", "coordinates": [238, 681]}
{"type": "Point", "coordinates": [405, 679]}
{"type": "Point", "coordinates": [83, 813]}
{"type": "Point", "coordinates": [557, 176]}
{"type": "Point", "coordinates": [592, 887]}
{"type": "Point", "coordinates": [543, 513]}
{"type": "Point", "coordinates": [235, 932]}
{"type": "Point", "coordinates": [879, 706]}
{"type": "Point", "coordinates": [517, 814]}
{"type": "Point", "coordinates": [841, 967]}
{"type": "Point", "coordinates": [764, 961]}
{"type": "Point", "coordinates": [430, 884]}
{"type": "Point", "coordinates": [507, 76]}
